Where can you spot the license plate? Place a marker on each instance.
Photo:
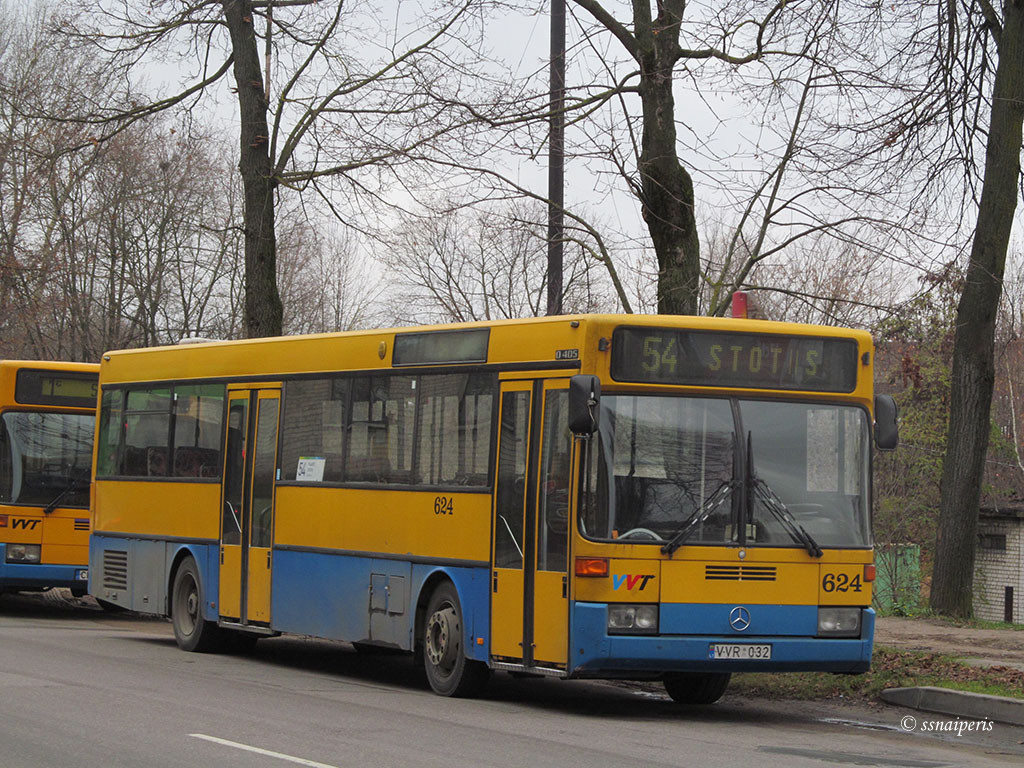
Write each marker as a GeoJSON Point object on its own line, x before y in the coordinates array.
{"type": "Point", "coordinates": [83, 575]}
{"type": "Point", "coordinates": [740, 651]}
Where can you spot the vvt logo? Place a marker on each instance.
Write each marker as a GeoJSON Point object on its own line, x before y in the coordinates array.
{"type": "Point", "coordinates": [631, 580]}
{"type": "Point", "coordinates": [21, 522]}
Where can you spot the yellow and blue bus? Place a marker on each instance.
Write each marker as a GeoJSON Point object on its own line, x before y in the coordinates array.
{"type": "Point", "coordinates": [671, 498]}
{"type": "Point", "coordinates": [47, 423]}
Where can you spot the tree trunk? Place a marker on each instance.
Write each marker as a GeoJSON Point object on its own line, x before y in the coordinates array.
{"type": "Point", "coordinates": [667, 189]}
{"type": "Point", "coordinates": [263, 310]}
{"type": "Point", "coordinates": [973, 355]}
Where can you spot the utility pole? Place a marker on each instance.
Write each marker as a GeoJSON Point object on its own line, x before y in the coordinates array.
{"type": "Point", "coordinates": [556, 158]}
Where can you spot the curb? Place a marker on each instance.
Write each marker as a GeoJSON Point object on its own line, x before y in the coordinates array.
{"type": "Point", "coordinates": [973, 706]}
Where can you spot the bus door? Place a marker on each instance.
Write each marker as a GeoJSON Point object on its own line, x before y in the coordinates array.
{"type": "Point", "coordinates": [529, 586]}
{"type": "Point", "coordinates": [248, 503]}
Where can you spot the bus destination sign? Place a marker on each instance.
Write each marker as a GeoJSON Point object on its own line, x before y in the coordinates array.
{"type": "Point", "coordinates": [38, 387]}
{"type": "Point", "coordinates": [723, 359]}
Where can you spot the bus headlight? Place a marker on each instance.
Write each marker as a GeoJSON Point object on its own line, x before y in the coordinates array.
{"type": "Point", "coordinates": [839, 622]}
{"type": "Point", "coordinates": [23, 553]}
{"type": "Point", "coordinates": [626, 619]}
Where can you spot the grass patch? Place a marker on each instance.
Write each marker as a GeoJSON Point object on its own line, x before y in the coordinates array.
{"type": "Point", "coordinates": [890, 668]}
{"type": "Point", "coordinates": [981, 624]}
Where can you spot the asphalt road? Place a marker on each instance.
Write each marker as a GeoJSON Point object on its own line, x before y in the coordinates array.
{"type": "Point", "coordinates": [82, 688]}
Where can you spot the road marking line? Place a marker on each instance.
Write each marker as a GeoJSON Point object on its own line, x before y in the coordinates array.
{"type": "Point", "coordinates": [258, 751]}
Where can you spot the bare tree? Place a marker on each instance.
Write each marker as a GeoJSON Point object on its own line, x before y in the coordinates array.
{"type": "Point", "coordinates": [334, 93]}
{"type": "Point", "coordinates": [826, 281]}
{"type": "Point", "coordinates": [327, 282]}
{"type": "Point", "coordinates": [973, 349]}
{"type": "Point", "coordinates": [946, 117]}
{"type": "Point", "coordinates": [41, 294]}
{"type": "Point", "coordinates": [485, 264]}
{"type": "Point", "coordinates": [740, 34]}
{"type": "Point", "coordinates": [113, 246]}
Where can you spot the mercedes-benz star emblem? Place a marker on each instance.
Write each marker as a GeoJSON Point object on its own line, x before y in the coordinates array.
{"type": "Point", "coordinates": [739, 618]}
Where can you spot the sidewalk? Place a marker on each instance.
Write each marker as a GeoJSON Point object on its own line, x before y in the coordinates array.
{"type": "Point", "coordinates": [962, 704]}
{"type": "Point", "coordinates": [977, 647]}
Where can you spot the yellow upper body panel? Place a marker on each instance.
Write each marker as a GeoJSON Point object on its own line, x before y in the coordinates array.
{"type": "Point", "coordinates": [387, 521]}
{"type": "Point", "coordinates": [768, 575]}
{"type": "Point", "coordinates": [153, 508]}
{"type": "Point", "coordinates": [581, 342]}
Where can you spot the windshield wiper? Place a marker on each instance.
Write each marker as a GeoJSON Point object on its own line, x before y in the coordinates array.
{"type": "Point", "coordinates": [698, 516]}
{"type": "Point", "coordinates": [764, 492]}
{"type": "Point", "coordinates": [75, 485]}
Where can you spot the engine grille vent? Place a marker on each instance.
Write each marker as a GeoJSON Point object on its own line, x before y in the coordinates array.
{"type": "Point", "coordinates": [115, 569]}
{"type": "Point", "coordinates": [739, 573]}
{"type": "Point", "coordinates": [81, 524]}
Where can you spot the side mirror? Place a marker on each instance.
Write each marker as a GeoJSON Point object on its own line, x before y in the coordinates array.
{"type": "Point", "coordinates": [584, 404]}
{"type": "Point", "coordinates": [887, 431]}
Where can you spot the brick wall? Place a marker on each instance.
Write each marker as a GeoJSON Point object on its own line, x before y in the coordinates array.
{"type": "Point", "coordinates": [999, 563]}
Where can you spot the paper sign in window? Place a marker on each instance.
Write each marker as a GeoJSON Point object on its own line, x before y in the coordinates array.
{"type": "Point", "coordinates": [310, 469]}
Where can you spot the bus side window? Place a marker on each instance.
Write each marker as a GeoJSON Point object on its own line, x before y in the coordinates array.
{"type": "Point", "coordinates": [198, 426]}
{"type": "Point", "coordinates": [234, 473]}
{"type": "Point", "coordinates": [147, 425]}
{"type": "Point", "coordinates": [109, 445]}
{"type": "Point", "coordinates": [511, 487]}
{"type": "Point", "coordinates": [555, 459]}
{"type": "Point", "coordinates": [313, 425]}
{"type": "Point", "coordinates": [454, 429]}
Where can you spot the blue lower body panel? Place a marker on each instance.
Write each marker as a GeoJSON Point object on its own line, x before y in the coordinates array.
{"type": "Point", "coordinates": [15, 576]}
{"type": "Point", "coordinates": [373, 600]}
{"type": "Point", "coordinates": [138, 574]}
{"type": "Point", "coordinates": [321, 594]}
{"type": "Point", "coordinates": [595, 653]}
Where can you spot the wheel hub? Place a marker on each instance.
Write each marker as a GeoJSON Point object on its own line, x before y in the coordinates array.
{"type": "Point", "coordinates": [441, 643]}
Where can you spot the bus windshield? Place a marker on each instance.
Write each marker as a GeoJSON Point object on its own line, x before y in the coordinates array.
{"type": "Point", "coordinates": [45, 455]}
{"type": "Point", "coordinates": [728, 472]}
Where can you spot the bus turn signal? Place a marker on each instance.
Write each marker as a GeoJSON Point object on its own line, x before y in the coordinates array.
{"type": "Point", "coordinates": [592, 566]}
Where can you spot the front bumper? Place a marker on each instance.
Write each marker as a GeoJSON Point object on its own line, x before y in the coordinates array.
{"type": "Point", "coordinates": [595, 653]}
{"type": "Point", "coordinates": [15, 576]}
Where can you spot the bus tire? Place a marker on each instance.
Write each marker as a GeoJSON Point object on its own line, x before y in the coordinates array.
{"type": "Point", "coordinates": [191, 630]}
{"type": "Point", "coordinates": [696, 688]}
{"type": "Point", "coordinates": [448, 670]}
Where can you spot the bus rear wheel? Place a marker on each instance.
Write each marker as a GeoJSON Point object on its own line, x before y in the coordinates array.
{"type": "Point", "coordinates": [449, 672]}
{"type": "Point", "coordinates": [191, 630]}
{"type": "Point", "coordinates": [696, 687]}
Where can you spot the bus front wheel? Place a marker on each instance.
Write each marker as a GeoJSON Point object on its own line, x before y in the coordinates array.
{"type": "Point", "coordinates": [696, 687]}
{"type": "Point", "coordinates": [191, 630]}
{"type": "Point", "coordinates": [449, 672]}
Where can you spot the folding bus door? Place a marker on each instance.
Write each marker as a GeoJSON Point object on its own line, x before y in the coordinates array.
{"type": "Point", "coordinates": [551, 576]}
{"type": "Point", "coordinates": [248, 504]}
{"type": "Point", "coordinates": [510, 497]}
{"type": "Point", "coordinates": [529, 580]}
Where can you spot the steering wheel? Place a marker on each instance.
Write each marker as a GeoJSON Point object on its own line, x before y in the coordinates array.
{"type": "Point", "coordinates": [634, 533]}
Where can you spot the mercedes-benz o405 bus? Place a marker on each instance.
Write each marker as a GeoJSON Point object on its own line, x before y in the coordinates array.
{"type": "Point", "coordinates": [671, 498]}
